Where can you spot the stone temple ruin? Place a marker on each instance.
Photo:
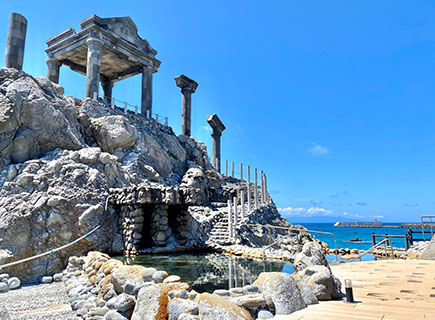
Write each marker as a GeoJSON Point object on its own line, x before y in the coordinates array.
{"type": "Point", "coordinates": [161, 189]}
{"type": "Point", "coordinates": [106, 50]}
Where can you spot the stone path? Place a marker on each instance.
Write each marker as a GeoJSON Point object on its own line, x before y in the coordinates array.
{"type": "Point", "coordinates": [391, 289]}
{"type": "Point", "coordinates": [36, 302]}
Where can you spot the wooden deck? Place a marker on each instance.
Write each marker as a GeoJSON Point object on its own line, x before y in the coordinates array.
{"type": "Point", "coordinates": [391, 289]}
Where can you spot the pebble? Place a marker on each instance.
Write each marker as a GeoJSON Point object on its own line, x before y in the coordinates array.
{"type": "Point", "coordinates": [222, 293]}
{"type": "Point", "coordinates": [123, 302]}
{"type": "Point", "coordinates": [193, 309]}
{"type": "Point", "coordinates": [14, 283]}
{"type": "Point", "coordinates": [98, 311]}
{"type": "Point", "coordinates": [235, 292]}
{"type": "Point", "coordinates": [251, 289]}
{"type": "Point", "coordinates": [3, 287]}
{"type": "Point", "coordinates": [193, 295]}
{"type": "Point", "coordinates": [183, 294]}
{"type": "Point", "coordinates": [172, 279]}
{"type": "Point", "coordinates": [159, 276]}
{"type": "Point", "coordinates": [149, 273]}
{"type": "Point", "coordinates": [264, 314]}
{"type": "Point", "coordinates": [114, 315]}
{"type": "Point", "coordinates": [47, 279]}
{"type": "Point", "coordinates": [78, 304]}
{"type": "Point", "coordinates": [129, 286]}
{"type": "Point", "coordinates": [4, 276]}
{"type": "Point", "coordinates": [58, 277]}
{"type": "Point", "coordinates": [252, 301]}
{"type": "Point", "coordinates": [81, 312]}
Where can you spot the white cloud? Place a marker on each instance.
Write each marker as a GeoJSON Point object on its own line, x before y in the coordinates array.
{"type": "Point", "coordinates": [206, 128]}
{"type": "Point", "coordinates": [315, 212]}
{"type": "Point", "coordinates": [318, 150]}
{"type": "Point", "coordinates": [377, 217]}
{"type": "Point", "coordinates": [303, 212]}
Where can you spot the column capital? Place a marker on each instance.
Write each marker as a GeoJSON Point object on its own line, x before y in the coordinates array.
{"type": "Point", "coordinates": [216, 124]}
{"type": "Point", "coordinates": [185, 83]}
{"type": "Point", "coordinates": [54, 61]}
{"type": "Point", "coordinates": [94, 41]}
{"type": "Point", "coordinates": [151, 69]}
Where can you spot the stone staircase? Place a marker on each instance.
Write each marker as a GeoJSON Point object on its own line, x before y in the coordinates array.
{"type": "Point", "coordinates": [219, 235]}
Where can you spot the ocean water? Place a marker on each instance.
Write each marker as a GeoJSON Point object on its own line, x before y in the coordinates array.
{"type": "Point", "coordinates": [344, 235]}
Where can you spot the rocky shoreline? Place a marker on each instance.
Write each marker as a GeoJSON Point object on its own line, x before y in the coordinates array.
{"type": "Point", "coordinates": [103, 288]}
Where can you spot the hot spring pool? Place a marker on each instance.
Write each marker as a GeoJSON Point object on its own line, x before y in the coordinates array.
{"type": "Point", "coordinates": [210, 271]}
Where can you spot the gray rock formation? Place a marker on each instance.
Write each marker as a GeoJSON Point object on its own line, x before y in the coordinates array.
{"type": "Point", "coordinates": [313, 269]}
{"type": "Point", "coordinates": [283, 290]}
{"type": "Point", "coordinates": [62, 157]}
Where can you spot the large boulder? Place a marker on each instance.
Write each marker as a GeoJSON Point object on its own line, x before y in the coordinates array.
{"type": "Point", "coordinates": [156, 156]}
{"type": "Point", "coordinates": [321, 280]}
{"type": "Point", "coordinates": [152, 301]}
{"type": "Point", "coordinates": [312, 254]}
{"type": "Point", "coordinates": [113, 132]}
{"type": "Point", "coordinates": [126, 272]}
{"type": "Point", "coordinates": [313, 269]}
{"type": "Point", "coordinates": [283, 290]}
{"type": "Point", "coordinates": [34, 118]}
{"type": "Point", "coordinates": [214, 307]}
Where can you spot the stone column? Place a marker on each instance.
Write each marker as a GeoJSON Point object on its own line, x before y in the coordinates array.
{"type": "Point", "coordinates": [95, 44]}
{"type": "Point", "coordinates": [147, 92]}
{"type": "Point", "coordinates": [262, 188]}
{"type": "Point", "coordinates": [107, 90]}
{"type": "Point", "coordinates": [16, 41]}
{"type": "Point", "coordinates": [187, 86]}
{"type": "Point", "coordinates": [256, 190]}
{"type": "Point", "coordinates": [217, 128]}
{"type": "Point", "coordinates": [53, 68]}
{"type": "Point", "coordinates": [249, 189]}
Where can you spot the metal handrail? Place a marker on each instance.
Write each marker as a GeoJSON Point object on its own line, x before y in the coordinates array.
{"type": "Point", "coordinates": [373, 247]}
{"type": "Point", "coordinates": [430, 224]}
{"type": "Point", "coordinates": [297, 229]}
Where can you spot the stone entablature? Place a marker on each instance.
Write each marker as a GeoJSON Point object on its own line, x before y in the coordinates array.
{"type": "Point", "coordinates": [155, 195]}
{"type": "Point", "coordinates": [106, 50]}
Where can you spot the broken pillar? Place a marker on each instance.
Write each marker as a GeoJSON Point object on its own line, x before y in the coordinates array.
{"type": "Point", "coordinates": [53, 69]}
{"type": "Point", "coordinates": [217, 128]}
{"type": "Point", "coordinates": [95, 44]}
{"type": "Point", "coordinates": [187, 86]}
{"type": "Point", "coordinates": [16, 41]}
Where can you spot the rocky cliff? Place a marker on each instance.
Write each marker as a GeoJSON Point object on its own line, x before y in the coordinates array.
{"type": "Point", "coordinates": [60, 159]}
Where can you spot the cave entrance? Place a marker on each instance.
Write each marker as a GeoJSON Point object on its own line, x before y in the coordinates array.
{"type": "Point", "coordinates": [163, 225]}
{"type": "Point", "coordinates": [146, 240]}
{"type": "Point", "coordinates": [177, 224]}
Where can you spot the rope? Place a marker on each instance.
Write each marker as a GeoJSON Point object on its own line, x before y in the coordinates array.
{"type": "Point", "coordinates": [50, 252]}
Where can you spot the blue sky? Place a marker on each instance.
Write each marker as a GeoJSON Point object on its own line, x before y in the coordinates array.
{"type": "Point", "coordinates": [334, 100]}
